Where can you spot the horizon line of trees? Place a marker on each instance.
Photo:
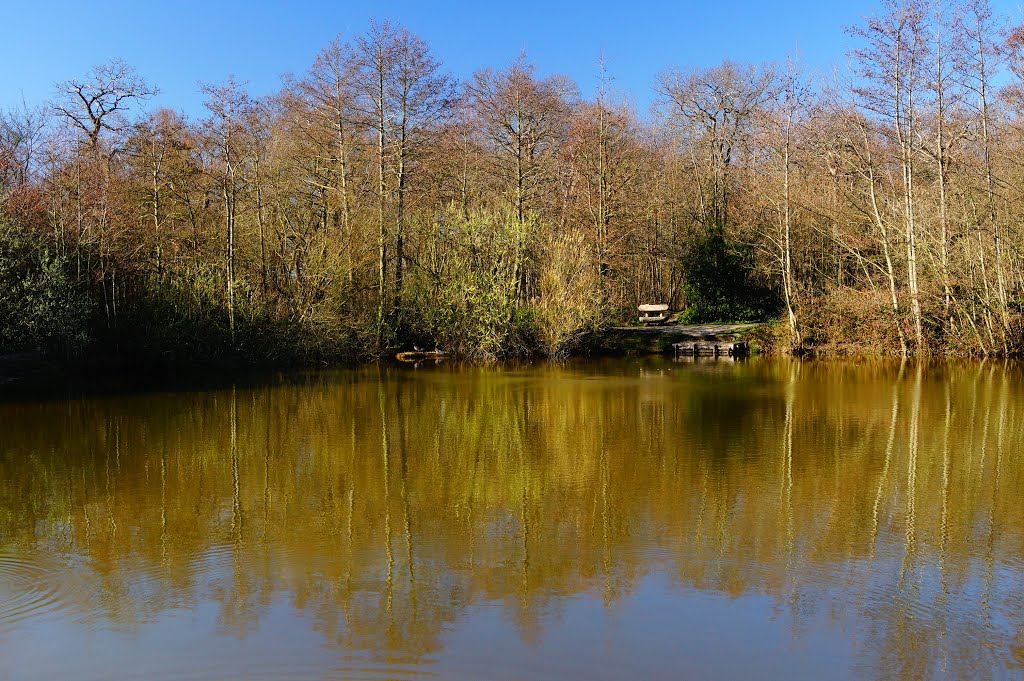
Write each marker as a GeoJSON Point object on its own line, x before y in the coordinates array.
{"type": "Point", "coordinates": [375, 201]}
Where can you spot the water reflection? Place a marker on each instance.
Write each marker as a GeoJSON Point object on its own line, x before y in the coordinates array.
{"type": "Point", "coordinates": [844, 520]}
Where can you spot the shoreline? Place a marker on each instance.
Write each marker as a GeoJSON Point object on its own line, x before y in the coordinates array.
{"type": "Point", "coordinates": [42, 375]}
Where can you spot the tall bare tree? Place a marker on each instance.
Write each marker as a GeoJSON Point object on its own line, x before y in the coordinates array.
{"type": "Point", "coordinates": [99, 101]}
{"type": "Point", "coordinates": [523, 119]}
{"type": "Point", "coordinates": [230, 107]}
{"type": "Point", "coordinates": [713, 111]}
{"type": "Point", "coordinates": [892, 68]}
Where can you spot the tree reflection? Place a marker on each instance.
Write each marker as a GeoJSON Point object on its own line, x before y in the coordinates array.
{"type": "Point", "coordinates": [383, 503]}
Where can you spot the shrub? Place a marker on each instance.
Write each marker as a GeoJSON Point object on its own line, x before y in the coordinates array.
{"type": "Point", "coordinates": [569, 301]}
{"type": "Point", "coordinates": [720, 284]}
{"type": "Point", "coordinates": [469, 290]}
{"type": "Point", "coordinates": [40, 306]}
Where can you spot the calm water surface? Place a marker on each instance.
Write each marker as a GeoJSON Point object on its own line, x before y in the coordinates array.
{"type": "Point", "coordinates": [623, 520]}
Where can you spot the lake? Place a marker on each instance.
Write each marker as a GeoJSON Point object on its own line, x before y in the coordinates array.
{"type": "Point", "coordinates": [620, 519]}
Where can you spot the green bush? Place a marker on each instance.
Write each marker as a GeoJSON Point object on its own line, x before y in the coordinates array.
{"type": "Point", "coordinates": [720, 284]}
{"type": "Point", "coordinates": [40, 306]}
{"type": "Point", "coordinates": [469, 295]}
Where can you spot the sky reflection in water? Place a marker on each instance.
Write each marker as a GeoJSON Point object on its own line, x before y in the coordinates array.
{"type": "Point", "coordinates": [602, 520]}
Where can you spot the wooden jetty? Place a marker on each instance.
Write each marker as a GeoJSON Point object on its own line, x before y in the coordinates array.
{"type": "Point", "coordinates": [739, 349]}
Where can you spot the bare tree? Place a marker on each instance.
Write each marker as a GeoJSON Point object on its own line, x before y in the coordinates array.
{"type": "Point", "coordinates": [606, 151]}
{"type": "Point", "coordinates": [376, 61]}
{"type": "Point", "coordinates": [422, 97]}
{"type": "Point", "coordinates": [330, 87]}
{"type": "Point", "coordinates": [945, 133]}
{"type": "Point", "coordinates": [230, 107]}
{"type": "Point", "coordinates": [892, 66]}
{"type": "Point", "coordinates": [156, 148]}
{"type": "Point", "coordinates": [783, 123]}
{"type": "Point", "coordinates": [21, 144]}
{"type": "Point", "coordinates": [713, 111]}
{"type": "Point", "coordinates": [523, 119]}
{"type": "Point", "coordinates": [982, 57]}
{"type": "Point", "coordinates": [403, 96]}
{"type": "Point", "coordinates": [98, 101]}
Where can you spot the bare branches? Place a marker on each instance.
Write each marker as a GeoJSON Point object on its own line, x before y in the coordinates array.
{"type": "Point", "coordinates": [713, 110]}
{"type": "Point", "coordinates": [21, 141]}
{"type": "Point", "coordinates": [524, 120]}
{"type": "Point", "coordinates": [98, 101]}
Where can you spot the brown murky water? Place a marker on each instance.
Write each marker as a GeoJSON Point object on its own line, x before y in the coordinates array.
{"type": "Point", "coordinates": [621, 520]}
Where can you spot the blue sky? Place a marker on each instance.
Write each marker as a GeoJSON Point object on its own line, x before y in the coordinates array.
{"type": "Point", "coordinates": [177, 43]}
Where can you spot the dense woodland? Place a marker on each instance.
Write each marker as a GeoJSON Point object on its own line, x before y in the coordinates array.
{"type": "Point", "coordinates": [375, 201]}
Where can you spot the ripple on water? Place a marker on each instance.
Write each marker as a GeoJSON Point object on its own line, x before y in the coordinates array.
{"type": "Point", "coordinates": [384, 672]}
{"type": "Point", "coordinates": [263, 667]}
{"type": "Point", "coordinates": [27, 590]}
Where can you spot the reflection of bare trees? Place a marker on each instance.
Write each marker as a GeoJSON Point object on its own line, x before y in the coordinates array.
{"type": "Point", "coordinates": [383, 506]}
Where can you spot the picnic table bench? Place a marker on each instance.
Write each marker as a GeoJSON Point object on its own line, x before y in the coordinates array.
{"type": "Point", "coordinates": [653, 314]}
